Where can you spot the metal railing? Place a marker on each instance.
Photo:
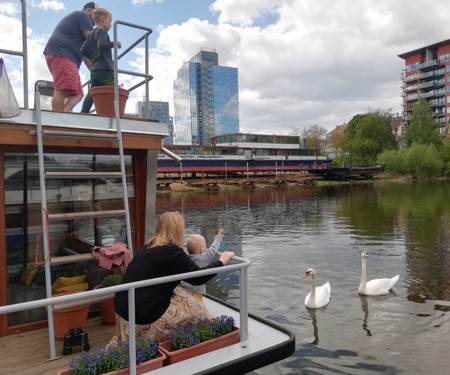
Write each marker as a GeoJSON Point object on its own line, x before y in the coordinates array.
{"type": "Point", "coordinates": [241, 266]}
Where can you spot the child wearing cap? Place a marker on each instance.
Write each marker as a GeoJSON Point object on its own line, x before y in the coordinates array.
{"type": "Point", "coordinates": [97, 48]}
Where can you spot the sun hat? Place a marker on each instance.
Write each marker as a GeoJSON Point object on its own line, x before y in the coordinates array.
{"type": "Point", "coordinates": [90, 5]}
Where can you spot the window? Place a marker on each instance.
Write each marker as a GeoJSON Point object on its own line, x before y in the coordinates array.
{"type": "Point", "coordinates": [26, 280]}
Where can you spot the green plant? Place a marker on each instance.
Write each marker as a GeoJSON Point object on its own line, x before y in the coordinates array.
{"type": "Point", "coordinates": [202, 330]}
{"type": "Point", "coordinates": [111, 280]}
{"type": "Point", "coordinates": [112, 358]}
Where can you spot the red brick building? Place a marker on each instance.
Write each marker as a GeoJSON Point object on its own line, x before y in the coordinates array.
{"type": "Point", "coordinates": [427, 75]}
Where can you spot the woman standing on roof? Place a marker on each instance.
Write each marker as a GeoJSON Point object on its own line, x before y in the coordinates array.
{"type": "Point", "coordinates": [162, 308]}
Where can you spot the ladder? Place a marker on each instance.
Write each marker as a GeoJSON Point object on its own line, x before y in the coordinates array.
{"type": "Point", "coordinates": [46, 216]}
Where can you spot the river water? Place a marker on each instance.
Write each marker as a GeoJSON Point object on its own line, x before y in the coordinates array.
{"type": "Point", "coordinates": [405, 228]}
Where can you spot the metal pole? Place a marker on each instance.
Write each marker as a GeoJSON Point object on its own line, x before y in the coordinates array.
{"type": "Point", "coordinates": [181, 171]}
{"type": "Point", "coordinates": [132, 330]}
{"type": "Point", "coordinates": [48, 279]}
{"type": "Point", "coordinates": [243, 305]}
{"type": "Point", "coordinates": [25, 54]}
{"type": "Point", "coordinates": [226, 175]}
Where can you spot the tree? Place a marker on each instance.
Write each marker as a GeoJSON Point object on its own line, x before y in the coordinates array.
{"type": "Point", "coordinates": [369, 135]}
{"type": "Point", "coordinates": [422, 126]}
{"type": "Point", "coordinates": [316, 137]}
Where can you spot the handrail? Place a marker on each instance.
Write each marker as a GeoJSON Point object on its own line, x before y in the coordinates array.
{"type": "Point", "coordinates": [242, 265]}
{"type": "Point", "coordinates": [146, 75]}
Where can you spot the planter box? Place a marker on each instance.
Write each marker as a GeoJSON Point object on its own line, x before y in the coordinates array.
{"type": "Point", "coordinates": [202, 348]}
{"type": "Point", "coordinates": [144, 367]}
{"type": "Point", "coordinates": [65, 319]}
{"type": "Point", "coordinates": [107, 310]}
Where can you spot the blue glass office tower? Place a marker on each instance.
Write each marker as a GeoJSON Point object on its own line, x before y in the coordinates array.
{"type": "Point", "coordinates": [206, 100]}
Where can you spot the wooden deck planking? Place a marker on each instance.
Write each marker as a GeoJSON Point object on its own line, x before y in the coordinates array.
{"type": "Point", "coordinates": [26, 353]}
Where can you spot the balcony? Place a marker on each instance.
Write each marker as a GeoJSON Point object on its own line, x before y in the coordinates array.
{"type": "Point", "coordinates": [429, 64]}
{"type": "Point", "coordinates": [411, 88]}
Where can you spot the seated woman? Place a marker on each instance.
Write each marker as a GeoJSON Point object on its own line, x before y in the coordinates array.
{"type": "Point", "coordinates": [165, 307]}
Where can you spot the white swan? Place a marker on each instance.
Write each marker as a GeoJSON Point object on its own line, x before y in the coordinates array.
{"type": "Point", "coordinates": [376, 287]}
{"type": "Point", "coordinates": [319, 296]}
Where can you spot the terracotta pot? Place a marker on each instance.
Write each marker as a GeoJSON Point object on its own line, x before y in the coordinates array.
{"type": "Point", "coordinates": [202, 348]}
{"type": "Point", "coordinates": [103, 97]}
{"type": "Point", "coordinates": [107, 310]}
{"type": "Point", "coordinates": [144, 367]}
{"type": "Point", "coordinates": [74, 317]}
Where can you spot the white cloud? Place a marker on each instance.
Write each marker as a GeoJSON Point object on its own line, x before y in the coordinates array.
{"type": "Point", "coordinates": [51, 5]}
{"type": "Point", "coordinates": [300, 62]}
{"type": "Point", "coordinates": [9, 8]}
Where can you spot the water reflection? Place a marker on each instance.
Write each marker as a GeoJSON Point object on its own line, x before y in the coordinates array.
{"type": "Point", "coordinates": [405, 227]}
{"type": "Point", "coordinates": [312, 315]}
{"type": "Point", "coordinates": [365, 309]}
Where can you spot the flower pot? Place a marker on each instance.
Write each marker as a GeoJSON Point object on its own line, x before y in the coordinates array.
{"type": "Point", "coordinates": [144, 367]}
{"type": "Point", "coordinates": [74, 317]}
{"type": "Point", "coordinates": [103, 97]}
{"type": "Point", "coordinates": [202, 348]}
{"type": "Point", "coordinates": [107, 310]}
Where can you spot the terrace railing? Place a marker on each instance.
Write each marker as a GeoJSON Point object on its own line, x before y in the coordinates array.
{"type": "Point", "coordinates": [239, 264]}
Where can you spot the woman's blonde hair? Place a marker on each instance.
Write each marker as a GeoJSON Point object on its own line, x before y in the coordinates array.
{"type": "Point", "coordinates": [169, 229]}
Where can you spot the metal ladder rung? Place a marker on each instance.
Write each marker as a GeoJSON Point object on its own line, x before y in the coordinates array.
{"type": "Point", "coordinates": [80, 135]}
{"type": "Point", "coordinates": [82, 174]}
{"type": "Point", "coordinates": [86, 215]}
{"type": "Point", "coordinates": [71, 258]}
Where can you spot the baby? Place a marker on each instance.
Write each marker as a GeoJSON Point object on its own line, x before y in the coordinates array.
{"type": "Point", "coordinates": [196, 246]}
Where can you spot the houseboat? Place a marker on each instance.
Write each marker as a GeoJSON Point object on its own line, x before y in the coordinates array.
{"type": "Point", "coordinates": [239, 153]}
{"type": "Point", "coordinates": [69, 182]}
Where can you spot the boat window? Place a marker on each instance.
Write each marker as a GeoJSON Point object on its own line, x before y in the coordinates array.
{"type": "Point", "coordinates": [25, 279]}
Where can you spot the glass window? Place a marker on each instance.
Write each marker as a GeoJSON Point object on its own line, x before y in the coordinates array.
{"type": "Point", "coordinates": [25, 279]}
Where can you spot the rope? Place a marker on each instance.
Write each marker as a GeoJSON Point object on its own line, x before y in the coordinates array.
{"type": "Point", "coordinates": [48, 239]}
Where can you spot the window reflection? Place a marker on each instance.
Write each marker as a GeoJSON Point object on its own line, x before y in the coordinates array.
{"type": "Point", "coordinates": [26, 280]}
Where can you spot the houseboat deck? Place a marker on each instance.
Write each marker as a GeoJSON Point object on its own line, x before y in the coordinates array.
{"type": "Point", "coordinates": [26, 353]}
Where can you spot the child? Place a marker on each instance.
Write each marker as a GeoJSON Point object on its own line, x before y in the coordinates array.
{"type": "Point", "coordinates": [97, 48]}
{"type": "Point", "coordinates": [196, 246]}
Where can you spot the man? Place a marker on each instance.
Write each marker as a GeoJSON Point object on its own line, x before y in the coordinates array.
{"type": "Point", "coordinates": [63, 57]}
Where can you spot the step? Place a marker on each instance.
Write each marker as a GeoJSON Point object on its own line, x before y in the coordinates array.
{"type": "Point", "coordinates": [83, 174]}
{"type": "Point", "coordinates": [86, 215]}
{"type": "Point", "coordinates": [79, 135]}
{"type": "Point", "coordinates": [71, 258]}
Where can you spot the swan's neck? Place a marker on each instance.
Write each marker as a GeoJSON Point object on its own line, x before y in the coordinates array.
{"type": "Point", "coordinates": [312, 297]}
{"type": "Point", "coordinates": [362, 284]}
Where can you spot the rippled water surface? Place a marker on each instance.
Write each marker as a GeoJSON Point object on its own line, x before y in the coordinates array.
{"type": "Point", "coordinates": [405, 228]}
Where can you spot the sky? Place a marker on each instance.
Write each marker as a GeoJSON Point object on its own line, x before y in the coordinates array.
{"type": "Point", "coordinates": [300, 62]}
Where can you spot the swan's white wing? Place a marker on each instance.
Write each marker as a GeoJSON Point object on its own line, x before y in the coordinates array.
{"type": "Point", "coordinates": [378, 287]}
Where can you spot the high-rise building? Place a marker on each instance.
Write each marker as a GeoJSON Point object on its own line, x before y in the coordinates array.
{"type": "Point", "coordinates": [206, 100]}
{"type": "Point", "coordinates": [427, 75]}
{"type": "Point", "coordinates": [158, 111]}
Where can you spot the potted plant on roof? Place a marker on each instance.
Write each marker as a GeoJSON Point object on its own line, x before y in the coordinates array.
{"type": "Point", "coordinates": [103, 97]}
{"type": "Point", "coordinates": [107, 309]}
{"type": "Point", "coordinates": [115, 360]}
{"type": "Point", "coordinates": [201, 337]}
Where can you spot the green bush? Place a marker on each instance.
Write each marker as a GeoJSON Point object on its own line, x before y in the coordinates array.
{"type": "Point", "coordinates": [111, 280]}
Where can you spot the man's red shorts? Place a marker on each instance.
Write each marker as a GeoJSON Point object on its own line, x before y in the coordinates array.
{"type": "Point", "coordinates": [65, 75]}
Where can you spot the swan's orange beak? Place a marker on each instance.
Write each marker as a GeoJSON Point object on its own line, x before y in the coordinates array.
{"type": "Point", "coordinates": [305, 275]}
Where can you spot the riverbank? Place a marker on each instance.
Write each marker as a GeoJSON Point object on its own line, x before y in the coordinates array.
{"type": "Point", "coordinates": [283, 181]}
